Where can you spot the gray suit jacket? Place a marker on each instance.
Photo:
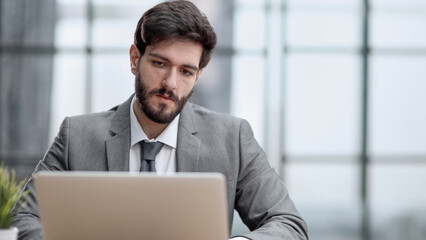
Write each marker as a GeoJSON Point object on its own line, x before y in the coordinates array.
{"type": "Point", "coordinates": [207, 142]}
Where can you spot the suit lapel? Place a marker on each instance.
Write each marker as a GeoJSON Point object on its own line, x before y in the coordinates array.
{"type": "Point", "coordinates": [118, 146]}
{"type": "Point", "coordinates": [117, 150]}
{"type": "Point", "coordinates": [188, 145]}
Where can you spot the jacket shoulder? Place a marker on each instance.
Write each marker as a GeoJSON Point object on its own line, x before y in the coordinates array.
{"type": "Point", "coordinates": [203, 114]}
{"type": "Point", "coordinates": [213, 123]}
{"type": "Point", "coordinates": [112, 121]}
{"type": "Point", "coordinates": [91, 118]}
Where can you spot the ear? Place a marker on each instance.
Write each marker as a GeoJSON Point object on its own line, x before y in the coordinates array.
{"type": "Point", "coordinates": [134, 58]}
{"type": "Point", "coordinates": [198, 75]}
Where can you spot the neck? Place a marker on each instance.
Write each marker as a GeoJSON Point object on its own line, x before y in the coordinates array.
{"type": "Point", "coordinates": [152, 129]}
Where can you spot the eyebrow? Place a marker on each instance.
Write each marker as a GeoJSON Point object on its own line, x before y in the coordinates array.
{"type": "Point", "coordinates": [168, 60]}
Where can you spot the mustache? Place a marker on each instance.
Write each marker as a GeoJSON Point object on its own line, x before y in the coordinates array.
{"type": "Point", "coordinates": [164, 92]}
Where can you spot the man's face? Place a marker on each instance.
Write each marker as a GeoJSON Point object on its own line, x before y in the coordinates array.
{"type": "Point", "coordinates": [165, 76]}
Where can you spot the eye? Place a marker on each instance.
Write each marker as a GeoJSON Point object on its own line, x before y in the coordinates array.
{"type": "Point", "coordinates": [158, 63]}
{"type": "Point", "coordinates": [187, 72]}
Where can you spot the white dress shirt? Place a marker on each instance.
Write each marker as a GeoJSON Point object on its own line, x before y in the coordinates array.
{"type": "Point", "coordinates": [165, 161]}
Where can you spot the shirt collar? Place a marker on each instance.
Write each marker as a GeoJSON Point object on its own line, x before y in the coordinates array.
{"type": "Point", "coordinates": [168, 136]}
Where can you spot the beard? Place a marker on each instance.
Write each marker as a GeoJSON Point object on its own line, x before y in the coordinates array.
{"type": "Point", "coordinates": [158, 115]}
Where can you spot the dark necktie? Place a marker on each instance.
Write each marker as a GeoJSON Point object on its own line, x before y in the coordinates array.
{"type": "Point", "coordinates": [148, 152]}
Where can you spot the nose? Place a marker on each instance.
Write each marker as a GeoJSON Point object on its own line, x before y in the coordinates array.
{"type": "Point", "coordinates": [170, 79]}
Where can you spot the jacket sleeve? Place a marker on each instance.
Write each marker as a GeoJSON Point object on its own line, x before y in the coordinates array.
{"type": "Point", "coordinates": [262, 200]}
{"type": "Point", "coordinates": [26, 213]}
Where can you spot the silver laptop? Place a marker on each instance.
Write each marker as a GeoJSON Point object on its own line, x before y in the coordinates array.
{"type": "Point", "coordinates": [126, 206]}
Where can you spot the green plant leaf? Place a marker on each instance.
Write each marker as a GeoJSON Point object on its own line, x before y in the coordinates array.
{"type": "Point", "coordinates": [10, 195]}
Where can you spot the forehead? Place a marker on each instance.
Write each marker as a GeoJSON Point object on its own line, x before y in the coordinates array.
{"type": "Point", "coordinates": [179, 51]}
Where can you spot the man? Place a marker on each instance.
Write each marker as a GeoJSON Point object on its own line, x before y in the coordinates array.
{"type": "Point", "coordinates": [173, 44]}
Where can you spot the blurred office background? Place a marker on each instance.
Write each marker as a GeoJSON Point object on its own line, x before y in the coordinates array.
{"type": "Point", "coordinates": [334, 91]}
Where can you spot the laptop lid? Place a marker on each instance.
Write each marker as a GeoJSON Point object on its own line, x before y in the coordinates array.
{"type": "Point", "coordinates": [127, 206]}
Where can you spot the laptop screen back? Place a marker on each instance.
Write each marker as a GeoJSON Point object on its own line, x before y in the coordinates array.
{"type": "Point", "coordinates": [102, 205]}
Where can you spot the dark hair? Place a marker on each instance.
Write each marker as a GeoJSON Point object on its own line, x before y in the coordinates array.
{"type": "Point", "coordinates": [176, 19]}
